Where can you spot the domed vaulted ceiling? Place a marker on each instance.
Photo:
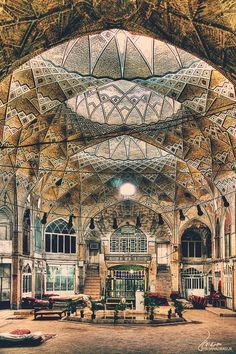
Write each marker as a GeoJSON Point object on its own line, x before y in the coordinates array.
{"type": "Point", "coordinates": [100, 110]}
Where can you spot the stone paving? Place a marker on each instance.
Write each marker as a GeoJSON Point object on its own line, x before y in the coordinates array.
{"type": "Point", "coordinates": [76, 338]}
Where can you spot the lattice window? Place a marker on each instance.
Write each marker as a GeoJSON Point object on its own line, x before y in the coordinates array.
{"type": "Point", "coordinates": [128, 239]}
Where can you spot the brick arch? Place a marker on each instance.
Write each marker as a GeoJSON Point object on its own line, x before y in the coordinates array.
{"type": "Point", "coordinates": [205, 30]}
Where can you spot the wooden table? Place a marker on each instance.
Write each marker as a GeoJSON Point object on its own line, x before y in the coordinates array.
{"type": "Point", "coordinates": [48, 312]}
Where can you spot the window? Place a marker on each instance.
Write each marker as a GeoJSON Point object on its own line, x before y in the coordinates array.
{"type": "Point", "coordinates": [228, 281]}
{"type": "Point", "coordinates": [193, 279]}
{"type": "Point", "coordinates": [58, 238]}
{"type": "Point", "coordinates": [217, 239]}
{"type": "Point", "coordinates": [27, 279]}
{"type": "Point", "coordinates": [37, 234]}
{"type": "Point", "coordinates": [128, 239]}
{"type": "Point", "coordinates": [5, 282]}
{"type": "Point", "coordinates": [191, 244]}
{"type": "Point", "coordinates": [208, 243]}
{"type": "Point", "coordinates": [60, 278]}
{"type": "Point", "coordinates": [38, 281]}
{"type": "Point", "coordinates": [227, 234]}
{"type": "Point", "coordinates": [5, 224]}
{"type": "Point", "coordinates": [26, 232]}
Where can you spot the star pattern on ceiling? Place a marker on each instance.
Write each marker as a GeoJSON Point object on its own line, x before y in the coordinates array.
{"type": "Point", "coordinates": [169, 128]}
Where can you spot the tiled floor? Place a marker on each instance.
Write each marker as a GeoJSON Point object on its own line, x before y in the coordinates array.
{"type": "Point", "coordinates": [76, 338]}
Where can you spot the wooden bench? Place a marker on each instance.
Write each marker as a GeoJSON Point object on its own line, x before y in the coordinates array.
{"type": "Point", "coordinates": [48, 312]}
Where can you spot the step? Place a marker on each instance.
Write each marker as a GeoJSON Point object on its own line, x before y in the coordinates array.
{"type": "Point", "coordinates": [92, 286]}
{"type": "Point", "coordinates": [92, 277]}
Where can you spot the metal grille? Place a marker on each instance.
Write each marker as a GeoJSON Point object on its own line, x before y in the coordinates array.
{"type": "Point", "coordinates": [125, 283]}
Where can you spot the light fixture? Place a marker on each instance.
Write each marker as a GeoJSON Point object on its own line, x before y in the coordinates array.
{"type": "Point", "coordinates": [199, 211]}
{"type": "Point", "coordinates": [127, 189]}
{"type": "Point", "coordinates": [181, 215]}
{"type": "Point", "coordinates": [160, 220]}
{"type": "Point", "coordinates": [70, 222]}
{"type": "Point", "coordinates": [138, 222]}
{"type": "Point", "coordinates": [92, 225]}
{"type": "Point", "coordinates": [58, 182]}
{"type": "Point", "coordinates": [115, 225]}
{"type": "Point", "coordinates": [225, 201]}
{"type": "Point", "coordinates": [44, 219]}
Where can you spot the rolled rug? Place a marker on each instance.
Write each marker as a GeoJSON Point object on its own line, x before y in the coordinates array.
{"type": "Point", "coordinates": [24, 340]}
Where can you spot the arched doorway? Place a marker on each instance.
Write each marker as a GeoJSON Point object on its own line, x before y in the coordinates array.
{"type": "Point", "coordinates": [124, 280]}
{"type": "Point", "coordinates": [193, 282]}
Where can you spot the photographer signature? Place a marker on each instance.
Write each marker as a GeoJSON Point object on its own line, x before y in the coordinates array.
{"type": "Point", "coordinates": [208, 345]}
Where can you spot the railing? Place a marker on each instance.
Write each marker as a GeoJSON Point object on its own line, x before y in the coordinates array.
{"type": "Point", "coordinates": [128, 257]}
{"type": "Point", "coordinates": [118, 294]}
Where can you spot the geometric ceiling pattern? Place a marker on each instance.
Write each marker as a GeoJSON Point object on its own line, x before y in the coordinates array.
{"type": "Point", "coordinates": [100, 110]}
{"type": "Point", "coordinates": [206, 29]}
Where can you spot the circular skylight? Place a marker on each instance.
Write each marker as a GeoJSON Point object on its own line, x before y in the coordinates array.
{"type": "Point", "coordinates": [127, 189]}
